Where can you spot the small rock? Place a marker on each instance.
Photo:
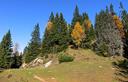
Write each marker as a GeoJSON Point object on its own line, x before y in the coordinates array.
{"type": "Point", "coordinates": [113, 68]}
{"type": "Point", "coordinates": [100, 66]}
{"type": "Point", "coordinates": [52, 78]}
{"type": "Point", "coordinates": [48, 64]}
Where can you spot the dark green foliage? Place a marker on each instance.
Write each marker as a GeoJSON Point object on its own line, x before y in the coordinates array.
{"type": "Point", "coordinates": [6, 51]}
{"type": "Point", "coordinates": [65, 58]}
{"type": "Point", "coordinates": [33, 49]}
{"type": "Point", "coordinates": [88, 40]}
{"type": "Point", "coordinates": [56, 39]}
{"type": "Point", "coordinates": [16, 57]}
{"type": "Point", "coordinates": [17, 60]}
{"type": "Point", "coordinates": [91, 33]}
{"type": "Point", "coordinates": [51, 18]}
{"type": "Point", "coordinates": [84, 16]}
{"type": "Point", "coordinates": [107, 10]}
{"type": "Point", "coordinates": [102, 49]}
{"type": "Point", "coordinates": [112, 9]}
{"type": "Point", "coordinates": [76, 17]}
{"type": "Point", "coordinates": [89, 37]}
{"type": "Point", "coordinates": [107, 35]}
{"type": "Point", "coordinates": [122, 70]}
{"type": "Point", "coordinates": [25, 55]}
{"type": "Point", "coordinates": [124, 17]}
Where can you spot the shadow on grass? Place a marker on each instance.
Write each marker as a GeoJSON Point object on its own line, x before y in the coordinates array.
{"type": "Point", "coordinates": [122, 70]}
{"type": "Point", "coordinates": [1, 70]}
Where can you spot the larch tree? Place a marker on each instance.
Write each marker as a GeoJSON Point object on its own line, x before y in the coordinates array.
{"type": "Point", "coordinates": [77, 34]}
{"type": "Point", "coordinates": [89, 33]}
{"type": "Point", "coordinates": [119, 25]}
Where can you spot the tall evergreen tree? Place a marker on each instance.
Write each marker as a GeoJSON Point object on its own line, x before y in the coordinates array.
{"type": "Point", "coordinates": [124, 17]}
{"type": "Point", "coordinates": [17, 57]}
{"type": "Point", "coordinates": [108, 37]}
{"type": "Point", "coordinates": [6, 51]}
{"type": "Point", "coordinates": [88, 32]}
{"type": "Point", "coordinates": [34, 46]}
{"type": "Point", "coordinates": [76, 17]}
{"type": "Point", "coordinates": [51, 18]}
{"type": "Point", "coordinates": [25, 54]}
{"type": "Point", "coordinates": [112, 9]}
{"type": "Point", "coordinates": [55, 39]}
{"type": "Point", "coordinates": [84, 16]}
{"type": "Point", "coordinates": [107, 10]}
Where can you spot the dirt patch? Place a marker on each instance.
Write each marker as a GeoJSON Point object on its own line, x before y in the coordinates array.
{"type": "Point", "coordinates": [51, 79]}
{"type": "Point", "coordinates": [9, 76]}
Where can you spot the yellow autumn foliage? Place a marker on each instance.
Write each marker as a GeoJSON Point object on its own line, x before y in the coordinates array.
{"type": "Point", "coordinates": [119, 25]}
{"type": "Point", "coordinates": [49, 26]}
{"type": "Point", "coordinates": [87, 24]}
{"type": "Point", "coordinates": [77, 33]}
{"type": "Point", "coordinates": [118, 22]}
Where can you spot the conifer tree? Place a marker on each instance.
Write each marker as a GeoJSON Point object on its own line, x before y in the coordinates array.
{"type": "Point", "coordinates": [25, 55]}
{"type": "Point", "coordinates": [6, 51]}
{"type": "Point", "coordinates": [112, 9]}
{"type": "Point", "coordinates": [84, 16]}
{"type": "Point", "coordinates": [76, 17]}
{"type": "Point", "coordinates": [33, 49]}
{"type": "Point", "coordinates": [87, 40]}
{"type": "Point", "coordinates": [108, 37]}
{"type": "Point", "coordinates": [55, 39]}
{"type": "Point", "coordinates": [107, 10]}
{"type": "Point", "coordinates": [51, 18]}
{"type": "Point", "coordinates": [119, 25]}
{"type": "Point", "coordinates": [124, 17]}
{"type": "Point", "coordinates": [45, 47]}
{"type": "Point", "coordinates": [17, 57]}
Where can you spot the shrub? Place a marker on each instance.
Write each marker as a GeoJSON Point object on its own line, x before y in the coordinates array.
{"type": "Point", "coordinates": [101, 49]}
{"type": "Point", "coordinates": [65, 58]}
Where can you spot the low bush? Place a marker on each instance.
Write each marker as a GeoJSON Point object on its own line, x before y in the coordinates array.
{"type": "Point", "coordinates": [65, 58]}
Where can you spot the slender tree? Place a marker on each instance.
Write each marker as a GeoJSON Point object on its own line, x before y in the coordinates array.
{"type": "Point", "coordinates": [87, 40]}
{"type": "Point", "coordinates": [6, 51]}
{"type": "Point", "coordinates": [76, 17]}
{"type": "Point", "coordinates": [124, 17]}
{"type": "Point", "coordinates": [17, 57]}
{"type": "Point", "coordinates": [77, 34]}
{"type": "Point", "coordinates": [33, 49]}
{"type": "Point", "coordinates": [112, 9]}
{"type": "Point", "coordinates": [56, 38]}
{"type": "Point", "coordinates": [51, 18]}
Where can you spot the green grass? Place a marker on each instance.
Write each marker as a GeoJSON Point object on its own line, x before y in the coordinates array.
{"type": "Point", "coordinates": [91, 69]}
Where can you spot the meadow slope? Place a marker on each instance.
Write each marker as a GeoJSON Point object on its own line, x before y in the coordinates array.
{"type": "Point", "coordinates": [87, 67]}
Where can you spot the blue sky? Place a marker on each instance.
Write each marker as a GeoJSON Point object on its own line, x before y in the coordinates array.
{"type": "Point", "coordinates": [20, 16]}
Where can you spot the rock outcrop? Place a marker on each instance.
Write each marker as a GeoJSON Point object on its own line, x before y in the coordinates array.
{"type": "Point", "coordinates": [34, 63]}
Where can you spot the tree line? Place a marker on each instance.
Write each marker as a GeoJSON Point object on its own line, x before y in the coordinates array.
{"type": "Point", "coordinates": [107, 37]}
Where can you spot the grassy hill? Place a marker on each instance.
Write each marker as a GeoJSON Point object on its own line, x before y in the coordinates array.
{"type": "Point", "coordinates": [87, 67]}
